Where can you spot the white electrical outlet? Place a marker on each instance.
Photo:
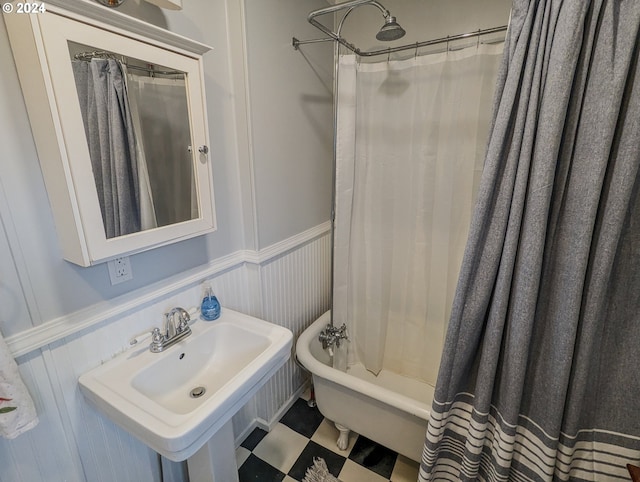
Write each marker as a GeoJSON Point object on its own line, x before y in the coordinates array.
{"type": "Point", "coordinates": [120, 270]}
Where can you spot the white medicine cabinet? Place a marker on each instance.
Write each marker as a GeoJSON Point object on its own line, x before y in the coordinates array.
{"type": "Point", "coordinates": [117, 109]}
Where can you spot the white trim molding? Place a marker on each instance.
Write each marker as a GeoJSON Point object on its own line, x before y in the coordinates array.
{"type": "Point", "coordinates": [34, 338]}
{"type": "Point", "coordinates": [277, 249]}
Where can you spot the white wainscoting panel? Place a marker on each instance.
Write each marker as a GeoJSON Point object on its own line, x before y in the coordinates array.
{"type": "Point", "coordinates": [295, 292]}
{"type": "Point", "coordinates": [107, 452]}
{"type": "Point", "coordinates": [45, 452]}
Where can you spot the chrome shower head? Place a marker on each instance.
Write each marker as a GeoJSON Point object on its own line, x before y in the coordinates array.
{"type": "Point", "coordinates": [391, 30]}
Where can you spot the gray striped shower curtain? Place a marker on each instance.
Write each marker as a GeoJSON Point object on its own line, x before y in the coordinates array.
{"type": "Point", "coordinates": [540, 375]}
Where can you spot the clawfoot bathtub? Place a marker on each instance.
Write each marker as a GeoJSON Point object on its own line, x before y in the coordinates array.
{"type": "Point", "coordinates": [388, 408]}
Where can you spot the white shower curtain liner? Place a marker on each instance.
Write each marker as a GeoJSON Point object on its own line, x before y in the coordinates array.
{"type": "Point", "coordinates": [411, 137]}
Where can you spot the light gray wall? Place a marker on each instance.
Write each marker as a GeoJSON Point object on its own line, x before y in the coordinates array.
{"type": "Point", "coordinates": [291, 118]}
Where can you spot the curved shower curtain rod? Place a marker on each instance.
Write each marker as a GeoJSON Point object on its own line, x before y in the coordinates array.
{"type": "Point", "coordinates": [416, 45]}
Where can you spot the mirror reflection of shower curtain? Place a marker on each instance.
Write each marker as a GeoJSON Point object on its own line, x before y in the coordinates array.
{"type": "Point", "coordinates": [147, 209]}
{"type": "Point", "coordinates": [410, 143]}
{"type": "Point", "coordinates": [110, 138]}
{"type": "Point", "coordinates": [163, 129]}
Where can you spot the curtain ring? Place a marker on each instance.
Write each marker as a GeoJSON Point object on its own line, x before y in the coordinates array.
{"type": "Point", "coordinates": [447, 43]}
{"type": "Point", "coordinates": [388, 54]}
{"type": "Point", "coordinates": [415, 55]}
{"type": "Point", "coordinates": [478, 38]}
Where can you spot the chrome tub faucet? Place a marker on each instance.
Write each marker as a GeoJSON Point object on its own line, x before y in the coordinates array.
{"type": "Point", "coordinates": [332, 335]}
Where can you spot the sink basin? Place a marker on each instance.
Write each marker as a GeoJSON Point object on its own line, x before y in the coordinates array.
{"type": "Point", "coordinates": [174, 401]}
{"type": "Point", "coordinates": [191, 375]}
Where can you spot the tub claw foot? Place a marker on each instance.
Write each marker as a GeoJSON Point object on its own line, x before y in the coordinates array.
{"type": "Point", "coordinates": [343, 438]}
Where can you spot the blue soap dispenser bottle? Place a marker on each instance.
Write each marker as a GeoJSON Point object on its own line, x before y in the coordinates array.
{"type": "Point", "coordinates": [210, 307]}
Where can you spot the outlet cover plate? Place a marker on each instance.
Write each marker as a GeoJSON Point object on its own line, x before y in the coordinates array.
{"type": "Point", "coordinates": [120, 270]}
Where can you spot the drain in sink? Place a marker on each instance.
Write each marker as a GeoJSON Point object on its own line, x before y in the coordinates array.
{"type": "Point", "coordinates": [197, 392]}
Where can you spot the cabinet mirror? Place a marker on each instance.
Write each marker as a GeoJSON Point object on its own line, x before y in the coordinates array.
{"type": "Point", "coordinates": [121, 131]}
{"type": "Point", "coordinates": [136, 123]}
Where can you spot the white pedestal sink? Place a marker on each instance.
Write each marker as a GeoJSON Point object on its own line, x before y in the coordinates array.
{"type": "Point", "coordinates": [180, 401]}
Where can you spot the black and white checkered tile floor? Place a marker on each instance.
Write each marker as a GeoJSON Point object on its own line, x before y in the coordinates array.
{"type": "Point", "coordinates": [302, 434]}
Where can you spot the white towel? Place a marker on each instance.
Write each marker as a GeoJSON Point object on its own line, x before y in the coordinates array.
{"type": "Point", "coordinates": [17, 412]}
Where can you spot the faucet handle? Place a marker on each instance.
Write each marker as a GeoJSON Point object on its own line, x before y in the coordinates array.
{"type": "Point", "coordinates": [341, 335]}
{"type": "Point", "coordinates": [156, 336]}
{"type": "Point", "coordinates": [184, 318]}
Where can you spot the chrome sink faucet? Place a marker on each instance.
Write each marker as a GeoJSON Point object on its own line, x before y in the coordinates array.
{"type": "Point", "coordinates": [172, 331]}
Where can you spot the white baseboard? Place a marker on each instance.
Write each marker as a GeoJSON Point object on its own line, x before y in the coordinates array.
{"type": "Point", "coordinates": [268, 425]}
{"type": "Point", "coordinates": [246, 432]}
